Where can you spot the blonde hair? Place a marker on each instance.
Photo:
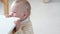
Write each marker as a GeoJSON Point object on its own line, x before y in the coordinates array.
{"type": "Point", "coordinates": [24, 5]}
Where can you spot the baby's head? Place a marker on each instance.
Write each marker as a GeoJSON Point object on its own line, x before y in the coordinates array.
{"type": "Point", "coordinates": [20, 9]}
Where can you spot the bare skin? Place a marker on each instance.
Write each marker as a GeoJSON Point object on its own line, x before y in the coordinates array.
{"type": "Point", "coordinates": [20, 9]}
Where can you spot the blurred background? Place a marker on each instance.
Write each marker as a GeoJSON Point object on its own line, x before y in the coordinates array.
{"type": "Point", "coordinates": [45, 17]}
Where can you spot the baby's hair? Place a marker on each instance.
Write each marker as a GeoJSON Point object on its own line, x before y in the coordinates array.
{"type": "Point", "coordinates": [20, 0]}
{"type": "Point", "coordinates": [24, 5]}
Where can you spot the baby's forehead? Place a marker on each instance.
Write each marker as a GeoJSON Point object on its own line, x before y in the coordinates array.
{"type": "Point", "coordinates": [20, 7]}
{"type": "Point", "coordinates": [17, 10]}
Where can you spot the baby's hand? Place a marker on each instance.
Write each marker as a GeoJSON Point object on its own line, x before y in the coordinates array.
{"type": "Point", "coordinates": [17, 23]}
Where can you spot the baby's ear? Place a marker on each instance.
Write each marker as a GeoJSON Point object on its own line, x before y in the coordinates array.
{"type": "Point", "coordinates": [25, 16]}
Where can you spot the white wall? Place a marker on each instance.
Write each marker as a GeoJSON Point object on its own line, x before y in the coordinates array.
{"type": "Point", "coordinates": [45, 17]}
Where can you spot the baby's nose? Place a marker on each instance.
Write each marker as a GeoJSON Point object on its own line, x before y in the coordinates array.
{"type": "Point", "coordinates": [14, 14]}
{"type": "Point", "coordinates": [11, 14]}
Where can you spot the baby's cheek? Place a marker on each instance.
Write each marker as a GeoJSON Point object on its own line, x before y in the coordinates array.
{"type": "Point", "coordinates": [20, 15]}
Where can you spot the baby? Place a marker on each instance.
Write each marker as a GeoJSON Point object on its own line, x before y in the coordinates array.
{"type": "Point", "coordinates": [21, 9]}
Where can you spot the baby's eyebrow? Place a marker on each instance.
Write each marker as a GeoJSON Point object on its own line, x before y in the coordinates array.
{"type": "Point", "coordinates": [14, 11]}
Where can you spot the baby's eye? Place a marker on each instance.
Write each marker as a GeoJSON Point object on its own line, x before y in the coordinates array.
{"type": "Point", "coordinates": [14, 12]}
